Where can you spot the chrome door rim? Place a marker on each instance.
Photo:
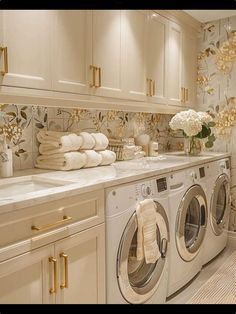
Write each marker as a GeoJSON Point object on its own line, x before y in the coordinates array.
{"type": "Point", "coordinates": [130, 293]}
{"type": "Point", "coordinates": [218, 228]}
{"type": "Point", "coordinates": [188, 254]}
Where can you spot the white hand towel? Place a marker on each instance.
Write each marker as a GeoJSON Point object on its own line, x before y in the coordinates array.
{"type": "Point", "coordinates": [59, 144]}
{"type": "Point", "coordinates": [101, 141]}
{"type": "Point", "coordinates": [88, 142]}
{"type": "Point", "coordinates": [93, 158]}
{"type": "Point", "coordinates": [63, 161]}
{"type": "Point", "coordinates": [147, 246]}
{"type": "Point", "coordinates": [108, 157]}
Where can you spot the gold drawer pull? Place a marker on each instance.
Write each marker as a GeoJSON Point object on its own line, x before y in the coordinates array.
{"type": "Point", "coordinates": [5, 56]}
{"type": "Point", "coordinates": [66, 280]}
{"type": "Point", "coordinates": [54, 261]}
{"type": "Point", "coordinates": [99, 77]}
{"type": "Point", "coordinates": [54, 224]}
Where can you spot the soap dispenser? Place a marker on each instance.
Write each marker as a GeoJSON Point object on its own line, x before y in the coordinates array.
{"type": "Point", "coordinates": [6, 164]}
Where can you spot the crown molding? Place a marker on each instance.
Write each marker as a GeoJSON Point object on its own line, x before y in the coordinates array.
{"type": "Point", "coordinates": [180, 17]}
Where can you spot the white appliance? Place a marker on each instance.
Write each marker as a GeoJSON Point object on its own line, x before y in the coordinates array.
{"type": "Point", "coordinates": [130, 281]}
{"type": "Point", "coordinates": [188, 221]}
{"type": "Point", "coordinates": [219, 209]}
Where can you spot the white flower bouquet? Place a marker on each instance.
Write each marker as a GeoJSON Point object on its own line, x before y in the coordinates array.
{"type": "Point", "coordinates": [196, 125]}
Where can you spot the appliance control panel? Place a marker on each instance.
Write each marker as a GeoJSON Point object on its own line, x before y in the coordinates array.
{"type": "Point", "coordinates": [151, 188]}
{"type": "Point", "coordinates": [202, 173]}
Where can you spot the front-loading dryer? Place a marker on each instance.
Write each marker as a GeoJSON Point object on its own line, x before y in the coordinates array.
{"type": "Point", "coordinates": [129, 280]}
{"type": "Point", "coordinates": [188, 220]}
{"type": "Point", "coordinates": [219, 209]}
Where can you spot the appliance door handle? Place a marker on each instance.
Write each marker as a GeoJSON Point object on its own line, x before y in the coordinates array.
{"type": "Point", "coordinates": [164, 244]}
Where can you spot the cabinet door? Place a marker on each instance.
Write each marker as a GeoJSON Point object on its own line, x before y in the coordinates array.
{"type": "Point", "coordinates": [135, 56]}
{"type": "Point", "coordinates": [157, 56]}
{"type": "Point", "coordinates": [71, 50]}
{"type": "Point", "coordinates": [82, 267]}
{"type": "Point", "coordinates": [108, 44]}
{"type": "Point", "coordinates": [25, 279]}
{"type": "Point", "coordinates": [27, 36]}
{"type": "Point", "coordinates": [190, 68]}
{"type": "Point", "coordinates": [175, 75]}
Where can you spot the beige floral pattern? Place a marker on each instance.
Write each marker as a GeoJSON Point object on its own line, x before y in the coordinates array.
{"type": "Point", "coordinates": [20, 125]}
{"type": "Point", "coordinates": [216, 84]}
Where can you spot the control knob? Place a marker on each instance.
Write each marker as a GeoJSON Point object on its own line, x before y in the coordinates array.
{"type": "Point", "coordinates": [193, 175]}
{"type": "Point", "coordinates": [145, 190]}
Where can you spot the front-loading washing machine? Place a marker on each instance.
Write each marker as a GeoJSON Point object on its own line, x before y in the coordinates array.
{"type": "Point", "coordinates": [129, 280]}
{"type": "Point", "coordinates": [188, 221]}
{"type": "Point", "coordinates": [219, 209]}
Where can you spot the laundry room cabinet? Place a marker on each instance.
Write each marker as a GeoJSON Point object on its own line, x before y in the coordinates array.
{"type": "Point", "coordinates": [56, 253]}
{"type": "Point", "coordinates": [25, 53]}
{"type": "Point", "coordinates": [69, 271]}
{"type": "Point", "coordinates": [182, 66]}
{"type": "Point", "coordinates": [99, 56]}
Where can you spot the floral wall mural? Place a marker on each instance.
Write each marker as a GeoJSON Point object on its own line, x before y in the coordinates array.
{"type": "Point", "coordinates": [216, 90]}
{"type": "Point", "coordinates": [20, 124]}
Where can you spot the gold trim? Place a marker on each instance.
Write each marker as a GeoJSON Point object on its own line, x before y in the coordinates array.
{"type": "Point", "coordinates": [5, 62]}
{"type": "Point", "coordinates": [66, 277]}
{"type": "Point", "coordinates": [92, 67]}
{"type": "Point", "coordinates": [48, 226]}
{"type": "Point", "coordinates": [54, 261]}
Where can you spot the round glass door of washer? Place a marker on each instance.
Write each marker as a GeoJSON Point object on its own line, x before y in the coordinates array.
{"type": "Point", "coordinates": [191, 223]}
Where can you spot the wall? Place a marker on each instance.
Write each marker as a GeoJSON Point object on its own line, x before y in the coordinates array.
{"type": "Point", "coordinates": [216, 90]}
{"type": "Point", "coordinates": [21, 124]}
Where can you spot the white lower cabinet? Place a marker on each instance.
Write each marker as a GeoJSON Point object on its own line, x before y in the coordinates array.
{"type": "Point", "coordinates": [26, 279]}
{"type": "Point", "coordinates": [81, 260]}
{"type": "Point", "coordinates": [67, 271]}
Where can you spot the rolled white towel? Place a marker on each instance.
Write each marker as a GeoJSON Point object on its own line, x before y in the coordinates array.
{"type": "Point", "coordinates": [59, 143]}
{"type": "Point", "coordinates": [93, 158]}
{"type": "Point", "coordinates": [108, 157]}
{"type": "Point", "coordinates": [101, 141]}
{"type": "Point", "coordinates": [63, 161]}
{"type": "Point", "coordinates": [88, 141]}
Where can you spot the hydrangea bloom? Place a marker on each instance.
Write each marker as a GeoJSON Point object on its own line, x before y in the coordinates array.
{"type": "Point", "coordinates": [189, 121]}
{"type": "Point", "coordinates": [204, 117]}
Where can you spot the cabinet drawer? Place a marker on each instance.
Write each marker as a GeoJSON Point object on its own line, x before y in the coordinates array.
{"type": "Point", "coordinates": [78, 212]}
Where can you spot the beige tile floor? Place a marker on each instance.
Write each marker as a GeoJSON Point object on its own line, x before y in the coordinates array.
{"type": "Point", "coordinates": [183, 295]}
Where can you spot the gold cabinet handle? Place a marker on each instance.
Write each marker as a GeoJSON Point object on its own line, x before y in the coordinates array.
{"type": "Point", "coordinates": [153, 88]}
{"type": "Point", "coordinates": [186, 94]}
{"type": "Point", "coordinates": [65, 284]}
{"type": "Point", "coordinates": [54, 261]}
{"type": "Point", "coordinates": [54, 224]}
{"type": "Point", "coordinates": [100, 76]}
{"type": "Point", "coordinates": [97, 69]}
{"type": "Point", "coordinates": [5, 62]}
{"type": "Point", "coordinates": [149, 87]}
{"type": "Point", "coordinates": [182, 94]}
{"type": "Point", "coordinates": [93, 68]}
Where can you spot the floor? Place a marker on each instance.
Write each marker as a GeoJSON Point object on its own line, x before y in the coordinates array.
{"type": "Point", "coordinates": [189, 290]}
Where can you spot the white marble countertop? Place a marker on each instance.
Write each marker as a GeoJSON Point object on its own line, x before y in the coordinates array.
{"type": "Point", "coordinates": [88, 180]}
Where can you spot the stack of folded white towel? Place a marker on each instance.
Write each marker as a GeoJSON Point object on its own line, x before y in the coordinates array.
{"type": "Point", "coordinates": [70, 151]}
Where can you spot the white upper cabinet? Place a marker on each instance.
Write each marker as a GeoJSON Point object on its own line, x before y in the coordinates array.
{"type": "Point", "coordinates": [175, 75]}
{"type": "Point", "coordinates": [26, 48]}
{"type": "Point", "coordinates": [71, 51]}
{"type": "Point", "coordinates": [189, 68]}
{"type": "Point", "coordinates": [135, 58]}
{"type": "Point", "coordinates": [107, 52]}
{"type": "Point", "coordinates": [156, 61]}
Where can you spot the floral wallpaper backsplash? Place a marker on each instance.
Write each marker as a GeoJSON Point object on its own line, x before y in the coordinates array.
{"type": "Point", "coordinates": [21, 123]}
{"type": "Point", "coordinates": [216, 92]}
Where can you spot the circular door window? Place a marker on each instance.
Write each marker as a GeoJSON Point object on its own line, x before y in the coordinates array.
{"type": "Point", "coordinates": [191, 223]}
{"type": "Point", "coordinates": [220, 204]}
{"type": "Point", "coordinates": [137, 280]}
